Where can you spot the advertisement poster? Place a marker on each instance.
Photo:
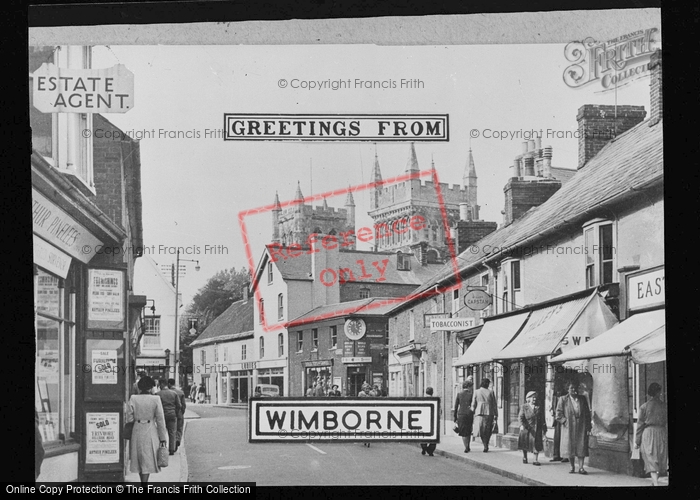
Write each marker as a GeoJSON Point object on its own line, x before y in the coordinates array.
{"type": "Point", "coordinates": [104, 366]}
{"type": "Point", "coordinates": [102, 446]}
{"type": "Point", "coordinates": [106, 304]}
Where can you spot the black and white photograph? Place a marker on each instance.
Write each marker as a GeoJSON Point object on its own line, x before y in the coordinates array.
{"type": "Point", "coordinates": [378, 251]}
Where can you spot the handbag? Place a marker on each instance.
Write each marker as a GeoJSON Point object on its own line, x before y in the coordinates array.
{"type": "Point", "coordinates": [162, 456]}
{"type": "Point", "coordinates": [128, 429]}
{"type": "Point", "coordinates": [455, 429]}
{"type": "Point", "coordinates": [495, 428]}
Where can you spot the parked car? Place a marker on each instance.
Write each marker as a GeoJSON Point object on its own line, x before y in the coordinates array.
{"type": "Point", "coordinates": [267, 390]}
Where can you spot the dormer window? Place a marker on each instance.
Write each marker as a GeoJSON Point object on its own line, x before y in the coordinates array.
{"type": "Point", "coordinates": [403, 262]}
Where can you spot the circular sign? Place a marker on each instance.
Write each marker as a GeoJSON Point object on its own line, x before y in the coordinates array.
{"type": "Point", "coordinates": [355, 329]}
{"type": "Point", "coordinates": [477, 300]}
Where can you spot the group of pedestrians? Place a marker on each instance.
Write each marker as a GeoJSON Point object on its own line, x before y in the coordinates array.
{"type": "Point", "coordinates": [475, 412]}
{"type": "Point", "coordinates": [321, 388]}
{"type": "Point", "coordinates": [158, 421]}
{"type": "Point", "coordinates": [198, 393]}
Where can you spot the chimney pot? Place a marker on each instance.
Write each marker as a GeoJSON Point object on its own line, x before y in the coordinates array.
{"type": "Point", "coordinates": [524, 147]}
{"type": "Point", "coordinates": [531, 145]}
{"type": "Point", "coordinates": [538, 143]}
{"type": "Point", "coordinates": [529, 161]}
{"type": "Point", "coordinates": [464, 211]}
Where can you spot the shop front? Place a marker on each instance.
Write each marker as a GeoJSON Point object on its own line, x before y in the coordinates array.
{"type": "Point", "coordinates": [271, 372]}
{"type": "Point", "coordinates": [240, 380]}
{"type": "Point", "coordinates": [316, 371]}
{"type": "Point", "coordinates": [636, 348]}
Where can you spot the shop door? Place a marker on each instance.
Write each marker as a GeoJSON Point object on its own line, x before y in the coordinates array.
{"type": "Point", "coordinates": [513, 375]}
{"type": "Point", "coordinates": [356, 377]}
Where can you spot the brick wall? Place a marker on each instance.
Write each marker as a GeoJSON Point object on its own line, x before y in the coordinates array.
{"type": "Point", "coordinates": [598, 124]}
{"type": "Point", "coordinates": [469, 232]}
{"type": "Point", "coordinates": [108, 169]}
{"type": "Point", "coordinates": [656, 97]}
{"type": "Point", "coordinates": [351, 290]}
{"type": "Point", "coordinates": [522, 195]}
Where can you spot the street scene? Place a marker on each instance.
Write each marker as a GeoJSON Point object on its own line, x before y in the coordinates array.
{"type": "Point", "coordinates": [325, 264]}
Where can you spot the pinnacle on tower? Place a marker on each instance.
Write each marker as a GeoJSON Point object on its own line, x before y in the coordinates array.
{"type": "Point", "coordinates": [469, 171]}
{"type": "Point", "coordinates": [278, 207]}
{"type": "Point", "coordinates": [412, 164]}
{"type": "Point", "coordinates": [325, 204]}
{"type": "Point", "coordinates": [298, 195]}
{"type": "Point", "coordinates": [349, 200]}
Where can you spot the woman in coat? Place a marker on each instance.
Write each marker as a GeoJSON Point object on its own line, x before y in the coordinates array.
{"type": "Point", "coordinates": [652, 434]}
{"type": "Point", "coordinates": [146, 411]}
{"type": "Point", "coordinates": [575, 418]}
{"type": "Point", "coordinates": [485, 412]}
{"type": "Point", "coordinates": [532, 427]}
{"type": "Point", "coordinates": [463, 414]}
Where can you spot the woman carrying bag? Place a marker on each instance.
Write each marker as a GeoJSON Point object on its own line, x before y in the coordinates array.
{"type": "Point", "coordinates": [149, 434]}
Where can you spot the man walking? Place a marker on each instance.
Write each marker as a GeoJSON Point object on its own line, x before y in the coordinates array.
{"type": "Point", "coordinates": [428, 448]}
{"type": "Point", "coordinates": [171, 410]}
{"type": "Point", "coordinates": [181, 416]}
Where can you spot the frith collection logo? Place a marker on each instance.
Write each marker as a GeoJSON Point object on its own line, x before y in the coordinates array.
{"type": "Point", "coordinates": [616, 61]}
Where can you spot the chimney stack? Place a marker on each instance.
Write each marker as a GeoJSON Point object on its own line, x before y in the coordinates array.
{"type": "Point", "coordinates": [531, 145]}
{"type": "Point", "coordinates": [547, 162]}
{"type": "Point", "coordinates": [524, 147]}
{"type": "Point", "coordinates": [599, 124]}
{"type": "Point", "coordinates": [656, 98]}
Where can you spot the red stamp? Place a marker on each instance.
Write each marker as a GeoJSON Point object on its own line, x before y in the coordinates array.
{"type": "Point", "coordinates": [331, 258]}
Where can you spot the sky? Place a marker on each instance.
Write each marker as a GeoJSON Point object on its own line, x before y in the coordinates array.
{"type": "Point", "coordinates": [194, 186]}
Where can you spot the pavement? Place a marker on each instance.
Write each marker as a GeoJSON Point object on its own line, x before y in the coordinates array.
{"type": "Point", "coordinates": [500, 461]}
{"type": "Point", "coordinates": [176, 471]}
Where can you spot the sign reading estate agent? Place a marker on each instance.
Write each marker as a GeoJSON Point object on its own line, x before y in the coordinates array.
{"type": "Point", "coordinates": [64, 90]}
{"type": "Point", "coordinates": [351, 419]}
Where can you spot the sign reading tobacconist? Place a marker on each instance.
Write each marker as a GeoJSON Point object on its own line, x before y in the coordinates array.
{"type": "Point", "coordinates": [352, 419]}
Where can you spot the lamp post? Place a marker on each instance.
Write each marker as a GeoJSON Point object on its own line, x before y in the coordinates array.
{"type": "Point", "coordinates": [177, 307]}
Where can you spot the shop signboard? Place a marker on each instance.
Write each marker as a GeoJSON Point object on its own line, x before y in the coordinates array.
{"type": "Point", "coordinates": [344, 419]}
{"type": "Point", "coordinates": [647, 289]}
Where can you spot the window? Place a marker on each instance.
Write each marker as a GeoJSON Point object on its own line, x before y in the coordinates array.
{"type": "Point", "coordinates": [599, 254]}
{"type": "Point", "coordinates": [203, 357]}
{"type": "Point", "coordinates": [225, 354]}
{"type": "Point", "coordinates": [280, 345]}
{"type": "Point", "coordinates": [151, 334]}
{"type": "Point", "coordinates": [244, 348]}
{"type": "Point", "coordinates": [269, 273]}
{"type": "Point", "coordinates": [261, 308]}
{"type": "Point", "coordinates": [411, 326]}
{"type": "Point", "coordinates": [364, 293]}
{"type": "Point", "coordinates": [386, 333]}
{"type": "Point", "coordinates": [54, 383]}
{"type": "Point", "coordinates": [515, 275]}
{"type": "Point", "coordinates": [300, 341]}
{"type": "Point", "coordinates": [403, 262]}
{"type": "Point", "coordinates": [334, 337]}
{"type": "Point", "coordinates": [314, 339]}
{"type": "Point", "coordinates": [262, 347]}
{"type": "Point", "coordinates": [455, 301]}
{"type": "Point", "coordinates": [506, 305]}
{"type": "Point", "coordinates": [280, 306]}
{"type": "Point", "coordinates": [216, 353]}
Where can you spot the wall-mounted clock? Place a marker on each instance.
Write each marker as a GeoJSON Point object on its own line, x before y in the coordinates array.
{"type": "Point", "coordinates": [355, 328]}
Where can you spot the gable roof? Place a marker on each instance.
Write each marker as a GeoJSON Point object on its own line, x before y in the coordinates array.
{"type": "Point", "coordinates": [376, 306]}
{"type": "Point", "coordinates": [236, 322]}
{"type": "Point", "coordinates": [630, 162]}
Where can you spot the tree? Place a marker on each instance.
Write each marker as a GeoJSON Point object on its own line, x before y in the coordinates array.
{"type": "Point", "coordinates": [217, 295]}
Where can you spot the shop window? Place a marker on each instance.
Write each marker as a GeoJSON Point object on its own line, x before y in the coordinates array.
{"type": "Point", "coordinates": [314, 339]}
{"type": "Point", "coordinates": [151, 335]}
{"type": "Point", "coordinates": [261, 309]}
{"type": "Point", "coordinates": [334, 337]}
{"type": "Point", "coordinates": [300, 341]}
{"type": "Point", "coordinates": [269, 273]}
{"type": "Point", "coordinates": [244, 348]}
{"type": "Point", "coordinates": [598, 236]}
{"type": "Point", "coordinates": [280, 306]}
{"type": "Point", "coordinates": [262, 347]}
{"type": "Point", "coordinates": [280, 345]}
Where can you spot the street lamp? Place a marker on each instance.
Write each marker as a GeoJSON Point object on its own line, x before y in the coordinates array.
{"type": "Point", "coordinates": [177, 306]}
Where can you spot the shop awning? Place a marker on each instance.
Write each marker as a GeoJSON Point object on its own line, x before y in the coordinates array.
{"type": "Point", "coordinates": [643, 336]}
{"type": "Point", "coordinates": [494, 335]}
{"type": "Point", "coordinates": [563, 324]}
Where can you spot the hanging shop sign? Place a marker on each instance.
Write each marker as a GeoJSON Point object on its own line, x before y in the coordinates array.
{"type": "Point", "coordinates": [102, 443]}
{"type": "Point", "coordinates": [66, 90]}
{"type": "Point", "coordinates": [477, 300]}
{"type": "Point", "coordinates": [54, 225]}
{"type": "Point", "coordinates": [438, 324]}
{"type": "Point", "coordinates": [106, 304]}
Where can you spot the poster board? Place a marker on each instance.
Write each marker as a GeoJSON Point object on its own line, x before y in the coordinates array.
{"type": "Point", "coordinates": [106, 309]}
{"type": "Point", "coordinates": [103, 369]}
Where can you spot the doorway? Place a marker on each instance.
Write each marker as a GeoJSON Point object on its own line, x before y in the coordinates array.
{"type": "Point", "coordinates": [356, 377]}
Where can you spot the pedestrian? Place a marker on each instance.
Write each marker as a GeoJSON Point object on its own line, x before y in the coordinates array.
{"type": "Point", "coordinates": [652, 435]}
{"type": "Point", "coordinates": [258, 391]}
{"type": "Point", "coordinates": [428, 448]}
{"type": "Point", "coordinates": [532, 427]}
{"type": "Point", "coordinates": [170, 402]}
{"type": "Point", "coordinates": [335, 392]}
{"type": "Point", "coordinates": [575, 418]}
{"type": "Point", "coordinates": [193, 393]}
{"type": "Point", "coordinates": [310, 391]}
{"type": "Point", "coordinates": [39, 451]}
{"type": "Point", "coordinates": [202, 393]}
{"type": "Point", "coordinates": [485, 412]}
{"type": "Point", "coordinates": [364, 393]}
{"type": "Point", "coordinates": [146, 411]}
{"type": "Point", "coordinates": [181, 416]}
{"type": "Point", "coordinates": [319, 392]}
{"type": "Point", "coordinates": [135, 387]}
{"type": "Point", "coordinates": [556, 455]}
{"type": "Point", "coordinates": [463, 415]}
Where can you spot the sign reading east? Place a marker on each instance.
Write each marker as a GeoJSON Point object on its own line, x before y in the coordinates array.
{"type": "Point", "coordinates": [351, 419]}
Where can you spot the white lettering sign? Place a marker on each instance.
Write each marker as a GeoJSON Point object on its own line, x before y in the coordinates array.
{"type": "Point", "coordinates": [437, 324]}
{"type": "Point", "coordinates": [646, 290]}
